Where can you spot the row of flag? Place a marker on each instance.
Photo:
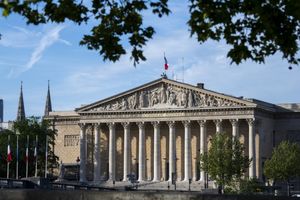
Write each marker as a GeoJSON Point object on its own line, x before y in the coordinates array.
{"type": "Point", "coordinates": [9, 158]}
{"type": "Point", "coordinates": [9, 153]}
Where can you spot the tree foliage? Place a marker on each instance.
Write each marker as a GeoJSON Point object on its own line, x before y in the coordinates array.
{"type": "Point", "coordinates": [225, 160]}
{"type": "Point", "coordinates": [284, 163]}
{"type": "Point", "coordinates": [253, 29]}
{"type": "Point", "coordinates": [32, 127]}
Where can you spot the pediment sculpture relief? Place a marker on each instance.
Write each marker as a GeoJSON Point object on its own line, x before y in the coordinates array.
{"type": "Point", "coordinates": [165, 96]}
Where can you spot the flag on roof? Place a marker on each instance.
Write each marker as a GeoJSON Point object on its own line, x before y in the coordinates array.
{"type": "Point", "coordinates": [166, 63]}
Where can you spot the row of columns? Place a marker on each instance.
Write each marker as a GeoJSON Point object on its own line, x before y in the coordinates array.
{"type": "Point", "coordinates": [157, 150]}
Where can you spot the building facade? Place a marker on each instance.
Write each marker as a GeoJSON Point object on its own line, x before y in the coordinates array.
{"type": "Point", "coordinates": [162, 127]}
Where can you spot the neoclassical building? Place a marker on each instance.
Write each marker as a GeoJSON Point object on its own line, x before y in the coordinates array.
{"type": "Point", "coordinates": [162, 127]}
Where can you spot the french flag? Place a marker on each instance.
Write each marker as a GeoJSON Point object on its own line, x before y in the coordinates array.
{"type": "Point", "coordinates": [166, 63]}
{"type": "Point", "coordinates": [9, 157]}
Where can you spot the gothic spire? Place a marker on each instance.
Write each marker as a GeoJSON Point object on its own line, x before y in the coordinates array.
{"type": "Point", "coordinates": [21, 109]}
{"type": "Point", "coordinates": [48, 107]}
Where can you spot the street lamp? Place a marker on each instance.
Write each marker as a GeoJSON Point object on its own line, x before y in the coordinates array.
{"type": "Point", "coordinates": [174, 174]}
{"type": "Point", "coordinates": [78, 170]}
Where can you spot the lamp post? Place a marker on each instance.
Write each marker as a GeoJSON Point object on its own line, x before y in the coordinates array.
{"type": "Point", "coordinates": [167, 173]}
{"type": "Point", "coordinates": [174, 177]}
{"type": "Point", "coordinates": [77, 167]}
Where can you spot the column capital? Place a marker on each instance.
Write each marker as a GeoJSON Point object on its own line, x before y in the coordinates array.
{"type": "Point", "coordinates": [187, 123]}
{"type": "Point", "coordinates": [140, 124]}
{"type": "Point", "coordinates": [202, 123]}
{"type": "Point", "coordinates": [251, 121]}
{"type": "Point", "coordinates": [126, 125]}
{"type": "Point", "coordinates": [171, 124]}
{"type": "Point", "coordinates": [234, 122]}
{"type": "Point", "coordinates": [111, 125]}
{"type": "Point", "coordinates": [82, 125]}
{"type": "Point", "coordinates": [96, 125]}
{"type": "Point", "coordinates": [218, 122]}
{"type": "Point", "coordinates": [156, 124]}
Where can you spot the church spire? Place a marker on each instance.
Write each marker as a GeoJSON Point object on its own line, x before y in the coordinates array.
{"type": "Point", "coordinates": [21, 109]}
{"type": "Point", "coordinates": [48, 107]}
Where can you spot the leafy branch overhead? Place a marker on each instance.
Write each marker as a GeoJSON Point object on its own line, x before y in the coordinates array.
{"type": "Point", "coordinates": [253, 29]}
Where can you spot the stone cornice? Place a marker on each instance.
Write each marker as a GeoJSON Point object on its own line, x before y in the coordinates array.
{"type": "Point", "coordinates": [186, 110]}
{"type": "Point", "coordinates": [178, 115]}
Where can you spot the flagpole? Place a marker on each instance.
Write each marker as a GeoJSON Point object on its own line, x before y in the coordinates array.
{"type": "Point", "coordinates": [27, 157]}
{"type": "Point", "coordinates": [17, 156]}
{"type": "Point", "coordinates": [46, 157]}
{"type": "Point", "coordinates": [165, 63]}
{"type": "Point", "coordinates": [8, 151]}
{"type": "Point", "coordinates": [35, 154]}
{"type": "Point", "coordinates": [183, 69]}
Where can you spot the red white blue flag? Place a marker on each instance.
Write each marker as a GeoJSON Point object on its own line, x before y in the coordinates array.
{"type": "Point", "coordinates": [9, 157]}
{"type": "Point", "coordinates": [166, 63]}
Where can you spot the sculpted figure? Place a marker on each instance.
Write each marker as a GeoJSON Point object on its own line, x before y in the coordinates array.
{"type": "Point", "coordinates": [108, 107]}
{"type": "Point", "coordinates": [163, 95]}
{"type": "Point", "coordinates": [220, 102]}
{"type": "Point", "coordinates": [141, 99]}
{"type": "Point", "coordinates": [124, 104]}
{"type": "Point", "coordinates": [183, 99]}
{"type": "Point", "coordinates": [190, 99]}
{"type": "Point", "coordinates": [208, 100]}
{"type": "Point", "coordinates": [148, 99]}
{"type": "Point", "coordinates": [155, 98]}
{"type": "Point", "coordinates": [168, 92]}
{"type": "Point", "coordinates": [134, 101]}
{"type": "Point", "coordinates": [172, 98]}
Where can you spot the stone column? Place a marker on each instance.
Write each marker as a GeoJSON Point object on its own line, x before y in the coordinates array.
{"type": "Point", "coordinates": [258, 147]}
{"type": "Point", "coordinates": [172, 149]}
{"type": "Point", "coordinates": [202, 124]}
{"type": "Point", "coordinates": [218, 123]}
{"type": "Point", "coordinates": [156, 157]}
{"type": "Point", "coordinates": [97, 159]}
{"type": "Point", "coordinates": [127, 159]}
{"type": "Point", "coordinates": [235, 128]}
{"type": "Point", "coordinates": [82, 152]}
{"type": "Point", "coordinates": [142, 156]}
{"type": "Point", "coordinates": [112, 152]}
{"type": "Point", "coordinates": [251, 123]}
{"type": "Point", "coordinates": [187, 150]}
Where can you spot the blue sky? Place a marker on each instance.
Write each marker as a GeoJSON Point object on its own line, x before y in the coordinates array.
{"type": "Point", "coordinates": [35, 54]}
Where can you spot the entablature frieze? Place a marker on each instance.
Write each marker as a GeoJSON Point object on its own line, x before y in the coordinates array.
{"type": "Point", "coordinates": [167, 116]}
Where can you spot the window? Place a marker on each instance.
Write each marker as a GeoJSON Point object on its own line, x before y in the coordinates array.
{"type": "Point", "coordinates": [71, 140]}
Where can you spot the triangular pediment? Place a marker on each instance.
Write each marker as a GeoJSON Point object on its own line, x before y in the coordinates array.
{"type": "Point", "coordinates": [165, 94]}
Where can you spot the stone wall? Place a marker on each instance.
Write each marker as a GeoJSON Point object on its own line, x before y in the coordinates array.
{"type": "Point", "coordinates": [17, 194]}
{"type": "Point", "coordinates": [67, 142]}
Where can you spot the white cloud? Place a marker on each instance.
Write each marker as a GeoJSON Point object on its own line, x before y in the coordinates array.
{"type": "Point", "coordinates": [19, 37]}
{"type": "Point", "coordinates": [40, 42]}
{"type": "Point", "coordinates": [46, 41]}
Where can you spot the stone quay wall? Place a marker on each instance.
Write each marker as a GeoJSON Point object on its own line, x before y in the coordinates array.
{"type": "Point", "coordinates": [37, 194]}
